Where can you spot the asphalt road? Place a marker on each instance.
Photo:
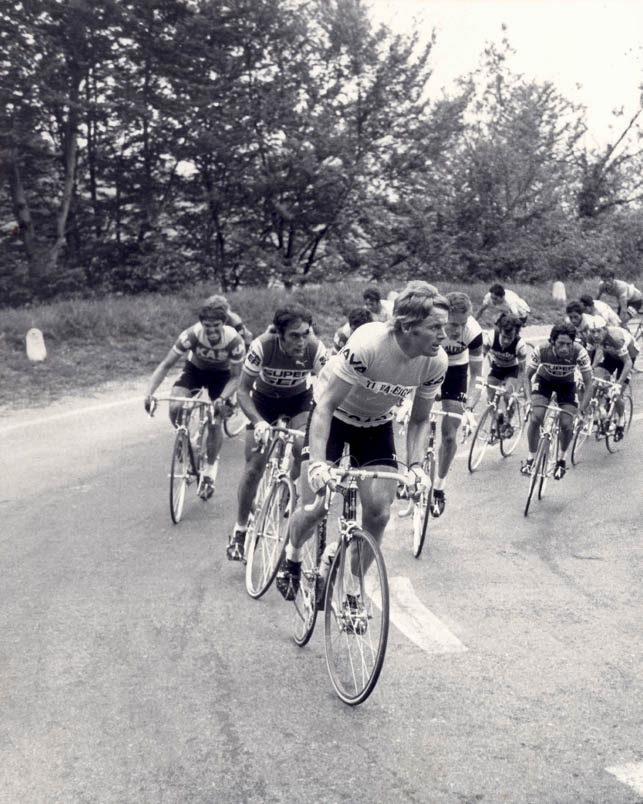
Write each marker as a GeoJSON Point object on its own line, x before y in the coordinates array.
{"type": "Point", "coordinates": [134, 667]}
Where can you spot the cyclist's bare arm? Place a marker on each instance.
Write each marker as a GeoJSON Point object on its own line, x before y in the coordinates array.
{"type": "Point", "coordinates": [587, 376]}
{"type": "Point", "coordinates": [233, 383]}
{"type": "Point", "coordinates": [246, 403]}
{"type": "Point", "coordinates": [475, 371]}
{"type": "Point", "coordinates": [162, 369]}
{"type": "Point", "coordinates": [481, 310]}
{"type": "Point", "coordinates": [417, 432]}
{"type": "Point", "coordinates": [335, 392]}
{"type": "Point", "coordinates": [622, 307]}
{"type": "Point", "coordinates": [627, 368]}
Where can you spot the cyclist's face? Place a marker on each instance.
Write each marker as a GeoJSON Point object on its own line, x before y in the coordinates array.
{"type": "Point", "coordinates": [293, 341]}
{"type": "Point", "coordinates": [372, 304]}
{"type": "Point", "coordinates": [576, 319]}
{"type": "Point", "coordinates": [507, 336]}
{"type": "Point", "coordinates": [497, 300]}
{"type": "Point", "coordinates": [455, 324]}
{"type": "Point", "coordinates": [428, 334]}
{"type": "Point", "coordinates": [213, 328]}
{"type": "Point", "coordinates": [596, 335]}
{"type": "Point", "coordinates": [563, 345]}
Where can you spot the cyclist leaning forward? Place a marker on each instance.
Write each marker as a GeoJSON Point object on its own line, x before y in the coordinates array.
{"type": "Point", "coordinates": [354, 399]}
{"type": "Point", "coordinates": [274, 382]}
{"type": "Point", "coordinates": [214, 352]}
{"type": "Point", "coordinates": [553, 365]}
{"type": "Point", "coordinates": [464, 348]}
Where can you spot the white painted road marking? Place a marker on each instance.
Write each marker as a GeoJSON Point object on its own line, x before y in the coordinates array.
{"type": "Point", "coordinates": [66, 414]}
{"type": "Point", "coordinates": [416, 622]}
{"type": "Point", "coordinates": [630, 774]}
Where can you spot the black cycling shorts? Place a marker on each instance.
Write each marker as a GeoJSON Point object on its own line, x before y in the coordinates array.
{"type": "Point", "coordinates": [368, 445]}
{"type": "Point", "coordinates": [611, 363]}
{"type": "Point", "coordinates": [194, 379]}
{"type": "Point", "coordinates": [502, 372]}
{"type": "Point", "coordinates": [271, 408]}
{"type": "Point", "coordinates": [455, 383]}
{"type": "Point", "coordinates": [566, 391]}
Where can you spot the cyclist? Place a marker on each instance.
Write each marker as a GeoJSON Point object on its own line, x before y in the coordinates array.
{"type": "Point", "coordinates": [214, 353]}
{"type": "Point", "coordinates": [356, 317]}
{"type": "Point", "coordinates": [553, 365]}
{"type": "Point", "coordinates": [629, 297]}
{"type": "Point", "coordinates": [464, 348]}
{"type": "Point", "coordinates": [232, 319]}
{"type": "Point", "coordinates": [616, 351]}
{"type": "Point", "coordinates": [598, 307]}
{"type": "Point", "coordinates": [381, 309]}
{"type": "Point", "coordinates": [354, 400]}
{"type": "Point", "coordinates": [274, 382]}
{"type": "Point", "coordinates": [507, 353]}
{"type": "Point", "coordinates": [505, 301]}
{"type": "Point", "coordinates": [582, 323]}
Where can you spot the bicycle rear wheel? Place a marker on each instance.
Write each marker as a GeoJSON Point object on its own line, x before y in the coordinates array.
{"type": "Point", "coordinates": [481, 438]}
{"type": "Point", "coordinates": [421, 508]}
{"type": "Point", "coordinates": [180, 474]}
{"type": "Point", "coordinates": [538, 467]}
{"type": "Point", "coordinates": [305, 602]}
{"type": "Point", "coordinates": [512, 427]}
{"type": "Point", "coordinates": [235, 422]}
{"type": "Point", "coordinates": [268, 541]}
{"type": "Point", "coordinates": [356, 617]}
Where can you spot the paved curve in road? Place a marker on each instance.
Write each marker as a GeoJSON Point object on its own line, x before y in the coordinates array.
{"type": "Point", "coordinates": [135, 668]}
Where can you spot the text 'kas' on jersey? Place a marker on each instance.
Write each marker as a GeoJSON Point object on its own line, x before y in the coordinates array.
{"type": "Point", "coordinates": [275, 373]}
{"type": "Point", "coordinates": [507, 356]}
{"type": "Point", "coordinates": [381, 375]}
{"type": "Point", "coordinates": [209, 356]}
{"type": "Point", "coordinates": [550, 366]}
{"type": "Point", "coordinates": [458, 348]}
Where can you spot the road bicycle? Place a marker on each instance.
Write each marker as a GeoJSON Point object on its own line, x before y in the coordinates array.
{"type": "Point", "coordinates": [635, 327]}
{"type": "Point", "coordinates": [611, 418]}
{"type": "Point", "coordinates": [547, 452]}
{"type": "Point", "coordinates": [235, 419]}
{"type": "Point", "coordinates": [502, 422]}
{"type": "Point", "coordinates": [343, 573]}
{"type": "Point", "coordinates": [274, 502]}
{"type": "Point", "coordinates": [189, 451]}
{"type": "Point", "coordinates": [420, 504]}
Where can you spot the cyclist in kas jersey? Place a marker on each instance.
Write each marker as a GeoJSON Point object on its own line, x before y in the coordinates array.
{"type": "Point", "coordinates": [354, 400]}
{"type": "Point", "coordinates": [356, 317]}
{"type": "Point", "coordinates": [553, 365]}
{"type": "Point", "coordinates": [232, 319]}
{"type": "Point", "coordinates": [628, 296]}
{"type": "Point", "coordinates": [616, 351]}
{"type": "Point", "coordinates": [274, 382]}
{"type": "Point", "coordinates": [597, 307]}
{"type": "Point", "coordinates": [214, 353]}
{"type": "Point", "coordinates": [464, 348]}
{"type": "Point", "coordinates": [507, 353]}
{"type": "Point", "coordinates": [504, 301]}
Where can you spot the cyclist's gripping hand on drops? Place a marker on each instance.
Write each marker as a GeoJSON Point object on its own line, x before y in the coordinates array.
{"type": "Point", "coordinates": [416, 479]}
{"type": "Point", "coordinates": [262, 432]}
{"type": "Point", "coordinates": [318, 475]}
{"type": "Point", "coordinates": [149, 404]}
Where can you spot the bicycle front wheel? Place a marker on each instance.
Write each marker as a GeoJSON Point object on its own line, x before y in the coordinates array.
{"type": "Point", "coordinates": [481, 439]}
{"type": "Point", "coordinates": [268, 541]}
{"type": "Point", "coordinates": [179, 475]}
{"type": "Point", "coordinates": [511, 430]}
{"type": "Point", "coordinates": [538, 468]}
{"type": "Point", "coordinates": [582, 431]}
{"type": "Point", "coordinates": [307, 597]}
{"type": "Point", "coordinates": [422, 509]}
{"type": "Point", "coordinates": [356, 617]}
{"type": "Point", "coordinates": [551, 457]}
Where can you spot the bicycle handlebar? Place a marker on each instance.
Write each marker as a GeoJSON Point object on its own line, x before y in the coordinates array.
{"type": "Point", "coordinates": [339, 474]}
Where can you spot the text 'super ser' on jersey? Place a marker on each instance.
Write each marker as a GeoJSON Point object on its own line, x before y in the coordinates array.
{"type": "Point", "coordinates": [278, 374]}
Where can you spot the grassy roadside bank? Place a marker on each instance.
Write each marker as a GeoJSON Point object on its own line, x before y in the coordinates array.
{"type": "Point", "coordinates": [91, 342]}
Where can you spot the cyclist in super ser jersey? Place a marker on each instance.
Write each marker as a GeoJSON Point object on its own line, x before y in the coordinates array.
{"type": "Point", "coordinates": [552, 366]}
{"type": "Point", "coordinates": [275, 381]}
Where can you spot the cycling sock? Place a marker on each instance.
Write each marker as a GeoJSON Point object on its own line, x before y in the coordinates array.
{"type": "Point", "coordinates": [293, 553]}
{"type": "Point", "coordinates": [563, 454]}
{"type": "Point", "coordinates": [531, 455]}
{"type": "Point", "coordinates": [440, 483]}
{"type": "Point", "coordinates": [240, 528]}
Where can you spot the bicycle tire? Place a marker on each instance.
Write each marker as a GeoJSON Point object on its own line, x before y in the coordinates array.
{"type": "Point", "coordinates": [508, 445]}
{"type": "Point", "coordinates": [638, 340]}
{"type": "Point", "coordinates": [179, 474]}
{"type": "Point", "coordinates": [550, 462]}
{"type": "Point", "coordinates": [612, 421]}
{"type": "Point", "coordinates": [356, 639]}
{"type": "Point", "coordinates": [308, 594]}
{"type": "Point", "coordinates": [583, 431]}
{"type": "Point", "coordinates": [481, 439]}
{"type": "Point", "coordinates": [235, 422]}
{"type": "Point", "coordinates": [539, 458]}
{"type": "Point", "coordinates": [268, 542]}
{"type": "Point", "coordinates": [422, 509]}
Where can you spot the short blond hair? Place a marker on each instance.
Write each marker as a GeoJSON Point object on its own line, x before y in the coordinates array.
{"type": "Point", "coordinates": [414, 305]}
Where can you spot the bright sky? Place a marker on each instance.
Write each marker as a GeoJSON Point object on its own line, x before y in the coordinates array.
{"type": "Point", "coordinates": [592, 51]}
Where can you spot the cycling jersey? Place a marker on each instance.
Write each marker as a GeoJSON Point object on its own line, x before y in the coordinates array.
{"type": "Point", "coordinates": [341, 336]}
{"type": "Point", "coordinates": [234, 320]}
{"type": "Point", "coordinates": [553, 368]}
{"type": "Point", "coordinates": [511, 303]}
{"type": "Point", "coordinates": [381, 375]}
{"type": "Point", "coordinates": [458, 348]}
{"type": "Point", "coordinates": [275, 373]}
{"type": "Point", "coordinates": [617, 342]}
{"type": "Point", "coordinates": [621, 289]}
{"type": "Point", "coordinates": [511, 354]}
{"type": "Point", "coordinates": [603, 309]}
{"type": "Point", "coordinates": [204, 354]}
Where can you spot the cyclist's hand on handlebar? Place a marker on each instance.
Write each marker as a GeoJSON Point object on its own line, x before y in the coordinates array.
{"type": "Point", "coordinates": [150, 404]}
{"type": "Point", "coordinates": [262, 432]}
{"type": "Point", "coordinates": [319, 475]}
{"type": "Point", "coordinates": [416, 479]}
